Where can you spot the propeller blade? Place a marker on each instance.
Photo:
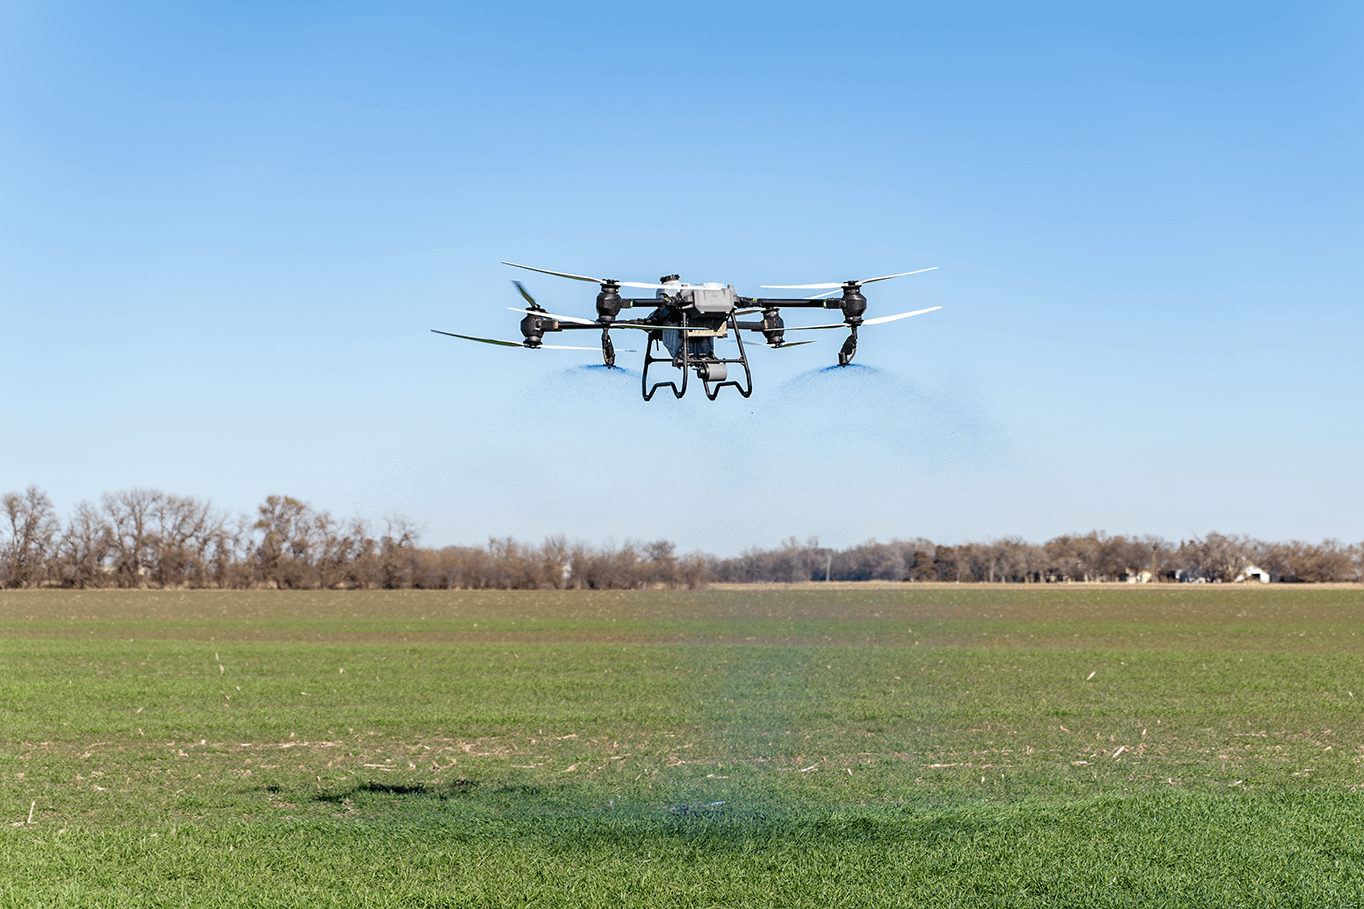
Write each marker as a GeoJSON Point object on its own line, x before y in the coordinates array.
{"type": "Point", "coordinates": [480, 340]}
{"type": "Point", "coordinates": [550, 315]}
{"type": "Point", "coordinates": [844, 283]}
{"type": "Point", "coordinates": [917, 271]}
{"type": "Point", "coordinates": [585, 277]}
{"type": "Point", "coordinates": [674, 286]}
{"type": "Point", "coordinates": [788, 344]}
{"type": "Point", "coordinates": [526, 294]}
{"type": "Point", "coordinates": [903, 315]}
{"type": "Point", "coordinates": [557, 274]}
{"type": "Point", "coordinates": [564, 274]}
{"type": "Point", "coordinates": [518, 344]}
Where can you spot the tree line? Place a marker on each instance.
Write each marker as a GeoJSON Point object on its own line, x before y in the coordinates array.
{"type": "Point", "coordinates": [1096, 556]}
{"type": "Point", "coordinates": [148, 538]}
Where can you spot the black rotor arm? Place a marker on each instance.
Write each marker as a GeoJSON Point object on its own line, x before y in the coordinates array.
{"type": "Point", "coordinates": [805, 302]}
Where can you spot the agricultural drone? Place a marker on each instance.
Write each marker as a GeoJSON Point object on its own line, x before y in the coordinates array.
{"type": "Point", "coordinates": [687, 319]}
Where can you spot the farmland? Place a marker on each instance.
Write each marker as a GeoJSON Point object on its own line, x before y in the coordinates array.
{"type": "Point", "coordinates": [908, 744]}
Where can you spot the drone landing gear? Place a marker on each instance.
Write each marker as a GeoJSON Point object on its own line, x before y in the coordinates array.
{"type": "Point", "coordinates": [649, 359]}
{"type": "Point", "coordinates": [716, 370]}
{"type": "Point", "coordinates": [712, 371]}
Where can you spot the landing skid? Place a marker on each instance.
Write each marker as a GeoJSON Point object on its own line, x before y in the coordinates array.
{"type": "Point", "coordinates": [703, 365]}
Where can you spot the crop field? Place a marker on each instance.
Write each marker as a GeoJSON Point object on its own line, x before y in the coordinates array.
{"type": "Point", "coordinates": [822, 745]}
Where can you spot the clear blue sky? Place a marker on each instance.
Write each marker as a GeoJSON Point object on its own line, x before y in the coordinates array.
{"type": "Point", "coordinates": [226, 230]}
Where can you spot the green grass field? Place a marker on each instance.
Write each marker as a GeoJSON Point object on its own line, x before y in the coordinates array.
{"type": "Point", "coordinates": [908, 745]}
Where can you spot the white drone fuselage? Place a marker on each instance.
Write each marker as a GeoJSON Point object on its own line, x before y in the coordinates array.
{"type": "Point", "coordinates": [708, 306]}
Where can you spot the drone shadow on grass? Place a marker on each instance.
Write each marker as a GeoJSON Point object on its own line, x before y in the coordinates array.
{"type": "Point", "coordinates": [442, 792]}
{"type": "Point", "coordinates": [559, 815]}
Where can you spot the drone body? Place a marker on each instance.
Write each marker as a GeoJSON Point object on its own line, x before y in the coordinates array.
{"type": "Point", "coordinates": [687, 320]}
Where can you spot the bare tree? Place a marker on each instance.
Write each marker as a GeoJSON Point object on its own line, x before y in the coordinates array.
{"type": "Point", "coordinates": [362, 572]}
{"type": "Point", "coordinates": [921, 561]}
{"type": "Point", "coordinates": [396, 552]}
{"type": "Point", "coordinates": [555, 557]}
{"type": "Point", "coordinates": [32, 526]}
{"type": "Point", "coordinates": [693, 571]}
{"type": "Point", "coordinates": [1217, 557]}
{"type": "Point", "coordinates": [285, 552]}
{"type": "Point", "coordinates": [1296, 561]}
{"type": "Point", "coordinates": [130, 518]}
{"type": "Point", "coordinates": [231, 553]}
{"type": "Point", "coordinates": [335, 546]}
{"type": "Point", "coordinates": [82, 556]}
{"type": "Point", "coordinates": [1160, 557]}
{"type": "Point", "coordinates": [183, 535]}
{"type": "Point", "coordinates": [870, 561]}
{"type": "Point", "coordinates": [514, 566]}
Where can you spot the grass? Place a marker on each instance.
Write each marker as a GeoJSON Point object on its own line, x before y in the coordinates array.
{"type": "Point", "coordinates": [908, 745]}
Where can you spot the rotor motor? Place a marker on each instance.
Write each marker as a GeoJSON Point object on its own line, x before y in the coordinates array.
{"type": "Point", "coordinates": [853, 303]}
{"type": "Point", "coordinates": [533, 329]}
{"type": "Point", "coordinates": [773, 328]}
{"type": "Point", "coordinates": [608, 303]}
